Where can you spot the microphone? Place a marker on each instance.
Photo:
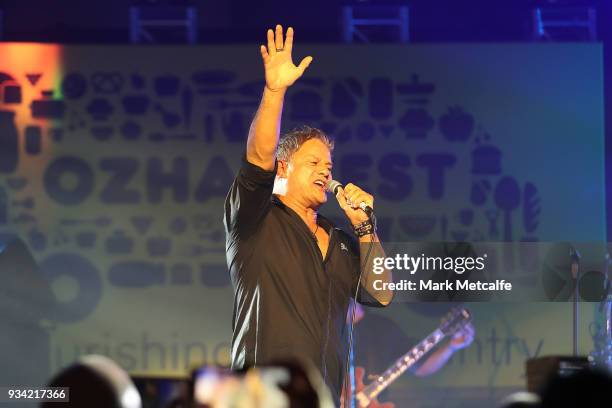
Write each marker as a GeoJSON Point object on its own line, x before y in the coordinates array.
{"type": "Point", "coordinates": [334, 185]}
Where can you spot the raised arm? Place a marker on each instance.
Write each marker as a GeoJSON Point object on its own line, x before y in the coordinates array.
{"type": "Point", "coordinates": [280, 74]}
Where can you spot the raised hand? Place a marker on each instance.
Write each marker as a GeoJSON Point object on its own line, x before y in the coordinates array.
{"type": "Point", "coordinates": [280, 70]}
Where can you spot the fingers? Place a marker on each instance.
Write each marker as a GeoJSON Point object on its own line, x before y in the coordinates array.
{"type": "Point", "coordinates": [271, 45]}
{"type": "Point", "coordinates": [289, 39]}
{"type": "Point", "coordinates": [275, 40]}
{"type": "Point", "coordinates": [463, 337]}
{"type": "Point", "coordinates": [351, 208]}
{"type": "Point", "coordinates": [279, 37]}
{"type": "Point", "coordinates": [304, 64]}
{"type": "Point", "coordinates": [471, 331]}
{"type": "Point", "coordinates": [468, 330]}
{"type": "Point", "coordinates": [356, 196]}
{"type": "Point", "coordinates": [342, 200]}
{"type": "Point", "coordinates": [264, 54]}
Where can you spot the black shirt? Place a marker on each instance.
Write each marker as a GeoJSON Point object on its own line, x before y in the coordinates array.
{"type": "Point", "coordinates": [288, 300]}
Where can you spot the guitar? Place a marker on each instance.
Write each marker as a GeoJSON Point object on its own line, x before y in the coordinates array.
{"type": "Point", "coordinates": [366, 395]}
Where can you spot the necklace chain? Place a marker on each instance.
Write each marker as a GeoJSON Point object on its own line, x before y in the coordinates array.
{"type": "Point", "coordinates": [315, 233]}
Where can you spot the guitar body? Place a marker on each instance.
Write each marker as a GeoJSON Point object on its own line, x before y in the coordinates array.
{"type": "Point", "coordinates": [359, 385]}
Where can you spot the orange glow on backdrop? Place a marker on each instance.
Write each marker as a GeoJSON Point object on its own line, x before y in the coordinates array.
{"type": "Point", "coordinates": [26, 71]}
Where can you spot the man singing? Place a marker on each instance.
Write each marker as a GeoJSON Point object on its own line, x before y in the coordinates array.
{"type": "Point", "coordinates": [292, 271]}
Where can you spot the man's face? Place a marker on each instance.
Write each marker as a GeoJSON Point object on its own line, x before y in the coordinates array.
{"type": "Point", "coordinates": [308, 172]}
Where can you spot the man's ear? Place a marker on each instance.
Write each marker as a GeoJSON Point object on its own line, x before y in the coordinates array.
{"type": "Point", "coordinates": [282, 169]}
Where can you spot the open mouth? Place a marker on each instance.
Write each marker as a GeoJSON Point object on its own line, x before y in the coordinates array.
{"type": "Point", "coordinates": [321, 185]}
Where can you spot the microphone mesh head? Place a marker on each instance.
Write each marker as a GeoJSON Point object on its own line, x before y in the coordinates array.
{"type": "Point", "coordinates": [333, 185]}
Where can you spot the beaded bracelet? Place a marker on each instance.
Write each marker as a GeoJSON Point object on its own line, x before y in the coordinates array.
{"type": "Point", "coordinates": [363, 229]}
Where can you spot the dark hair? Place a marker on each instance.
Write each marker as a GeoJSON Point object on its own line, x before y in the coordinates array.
{"type": "Point", "coordinates": [88, 388]}
{"type": "Point", "coordinates": [293, 140]}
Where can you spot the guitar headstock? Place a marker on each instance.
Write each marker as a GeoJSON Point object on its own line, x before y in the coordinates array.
{"type": "Point", "coordinates": [455, 320]}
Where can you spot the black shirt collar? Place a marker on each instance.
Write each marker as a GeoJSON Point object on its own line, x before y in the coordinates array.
{"type": "Point", "coordinates": [321, 220]}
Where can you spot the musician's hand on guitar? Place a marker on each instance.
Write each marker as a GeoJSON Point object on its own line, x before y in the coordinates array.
{"type": "Point", "coordinates": [359, 373]}
{"type": "Point", "coordinates": [455, 325]}
{"type": "Point", "coordinates": [462, 338]}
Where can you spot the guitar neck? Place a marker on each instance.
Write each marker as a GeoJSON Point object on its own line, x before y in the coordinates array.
{"type": "Point", "coordinates": [398, 368]}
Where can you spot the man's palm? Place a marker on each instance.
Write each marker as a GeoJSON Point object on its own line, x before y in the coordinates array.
{"type": "Point", "coordinates": [281, 72]}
